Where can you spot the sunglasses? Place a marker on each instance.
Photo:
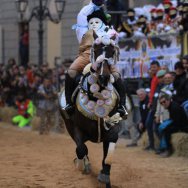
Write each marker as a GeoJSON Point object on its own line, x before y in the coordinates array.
{"type": "Point", "coordinates": [163, 102]}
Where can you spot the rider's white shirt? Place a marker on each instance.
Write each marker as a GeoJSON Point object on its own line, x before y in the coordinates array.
{"type": "Point", "coordinates": [82, 24]}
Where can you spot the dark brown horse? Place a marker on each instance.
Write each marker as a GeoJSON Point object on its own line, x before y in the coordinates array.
{"type": "Point", "coordinates": [95, 101]}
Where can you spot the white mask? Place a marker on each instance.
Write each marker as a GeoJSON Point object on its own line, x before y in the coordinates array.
{"type": "Point", "coordinates": [95, 24]}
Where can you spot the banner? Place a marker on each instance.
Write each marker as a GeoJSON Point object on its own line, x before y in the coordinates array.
{"type": "Point", "coordinates": [137, 54]}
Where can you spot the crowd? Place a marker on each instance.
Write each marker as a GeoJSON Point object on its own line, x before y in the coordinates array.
{"type": "Point", "coordinates": [151, 21]}
{"type": "Point", "coordinates": [164, 107]}
{"type": "Point", "coordinates": [31, 88]}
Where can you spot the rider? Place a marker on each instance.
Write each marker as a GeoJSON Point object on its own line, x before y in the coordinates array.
{"type": "Point", "coordinates": [97, 22]}
{"type": "Point", "coordinates": [82, 26]}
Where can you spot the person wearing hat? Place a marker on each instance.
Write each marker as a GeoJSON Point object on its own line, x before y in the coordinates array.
{"type": "Point", "coordinates": [82, 24]}
{"type": "Point", "coordinates": [97, 24]}
{"type": "Point", "coordinates": [180, 7]}
{"type": "Point", "coordinates": [160, 21]}
{"type": "Point", "coordinates": [167, 5]}
{"type": "Point", "coordinates": [153, 22]}
{"type": "Point", "coordinates": [174, 19]}
{"type": "Point", "coordinates": [126, 26]}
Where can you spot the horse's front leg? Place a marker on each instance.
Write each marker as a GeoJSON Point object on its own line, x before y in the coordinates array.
{"type": "Point", "coordinates": [108, 151]}
{"type": "Point", "coordinates": [82, 161]}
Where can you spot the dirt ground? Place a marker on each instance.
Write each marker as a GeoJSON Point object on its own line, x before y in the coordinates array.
{"type": "Point", "coordinates": [29, 160]}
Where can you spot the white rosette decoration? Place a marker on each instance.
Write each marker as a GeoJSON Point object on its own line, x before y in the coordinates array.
{"type": "Point", "coordinates": [108, 102]}
{"type": "Point", "coordinates": [106, 40]}
{"type": "Point", "coordinates": [92, 79]}
{"type": "Point", "coordinates": [91, 105]}
{"type": "Point", "coordinates": [100, 102]}
{"type": "Point", "coordinates": [94, 88]}
{"type": "Point", "coordinates": [100, 111]}
{"type": "Point", "coordinates": [106, 94]}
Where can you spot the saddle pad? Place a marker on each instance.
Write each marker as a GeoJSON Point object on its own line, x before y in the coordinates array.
{"type": "Point", "coordinates": [62, 100]}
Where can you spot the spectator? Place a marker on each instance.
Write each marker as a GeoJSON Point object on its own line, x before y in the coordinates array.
{"type": "Point", "coordinates": [142, 25]}
{"type": "Point", "coordinates": [115, 5]}
{"type": "Point", "coordinates": [26, 110]}
{"type": "Point", "coordinates": [185, 64]}
{"type": "Point", "coordinates": [179, 122]}
{"type": "Point", "coordinates": [143, 106]}
{"type": "Point", "coordinates": [153, 22]}
{"type": "Point", "coordinates": [126, 27]}
{"type": "Point", "coordinates": [154, 68]}
{"type": "Point", "coordinates": [46, 104]}
{"type": "Point", "coordinates": [160, 28]}
{"type": "Point", "coordinates": [184, 20]}
{"type": "Point", "coordinates": [152, 111]}
{"type": "Point", "coordinates": [179, 83]}
{"type": "Point", "coordinates": [168, 81]}
{"type": "Point", "coordinates": [167, 5]}
{"type": "Point", "coordinates": [162, 114]}
{"type": "Point", "coordinates": [24, 46]}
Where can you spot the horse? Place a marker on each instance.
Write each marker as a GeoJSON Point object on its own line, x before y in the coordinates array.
{"type": "Point", "coordinates": [95, 118]}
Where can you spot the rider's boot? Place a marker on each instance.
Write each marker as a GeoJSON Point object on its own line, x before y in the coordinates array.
{"type": "Point", "coordinates": [118, 84]}
{"type": "Point", "coordinates": [70, 85]}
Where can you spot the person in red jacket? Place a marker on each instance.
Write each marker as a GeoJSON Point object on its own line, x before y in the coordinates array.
{"type": "Point", "coordinates": [154, 67]}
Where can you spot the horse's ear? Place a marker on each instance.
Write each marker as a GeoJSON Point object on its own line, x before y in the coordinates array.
{"type": "Point", "coordinates": [95, 35]}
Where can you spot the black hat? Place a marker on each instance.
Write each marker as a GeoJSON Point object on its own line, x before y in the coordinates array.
{"type": "Point", "coordinates": [98, 2]}
{"type": "Point", "coordinates": [131, 12]}
{"type": "Point", "coordinates": [98, 14]}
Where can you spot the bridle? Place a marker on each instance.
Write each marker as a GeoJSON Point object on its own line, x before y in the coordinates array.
{"type": "Point", "coordinates": [111, 60]}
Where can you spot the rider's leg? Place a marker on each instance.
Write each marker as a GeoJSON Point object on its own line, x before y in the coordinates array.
{"type": "Point", "coordinates": [75, 69]}
{"type": "Point", "coordinates": [70, 85]}
{"type": "Point", "coordinates": [118, 84]}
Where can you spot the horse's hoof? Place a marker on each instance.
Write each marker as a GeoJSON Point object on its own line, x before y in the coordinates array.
{"type": "Point", "coordinates": [87, 169]}
{"type": "Point", "coordinates": [102, 185]}
{"type": "Point", "coordinates": [103, 178]}
{"type": "Point", "coordinates": [79, 164]}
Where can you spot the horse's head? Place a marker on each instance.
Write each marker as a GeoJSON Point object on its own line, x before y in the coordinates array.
{"type": "Point", "coordinates": [104, 54]}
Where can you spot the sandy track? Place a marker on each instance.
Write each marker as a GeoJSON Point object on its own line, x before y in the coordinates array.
{"type": "Point", "coordinates": [28, 160]}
